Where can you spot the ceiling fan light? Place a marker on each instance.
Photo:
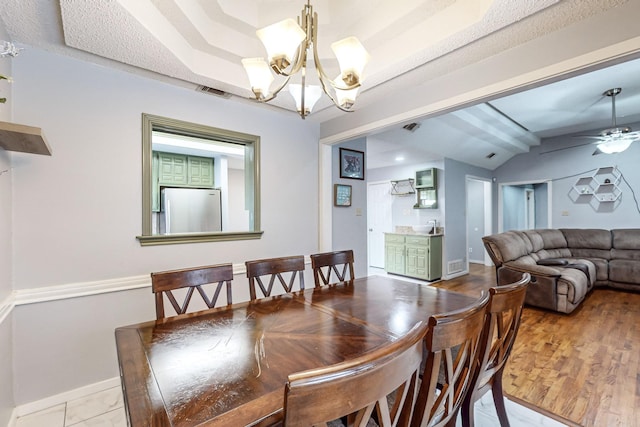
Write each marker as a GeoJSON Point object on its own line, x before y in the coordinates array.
{"type": "Point", "coordinates": [260, 76]}
{"type": "Point", "coordinates": [311, 96]}
{"type": "Point", "coordinates": [615, 145]}
{"type": "Point", "coordinates": [281, 41]}
{"type": "Point", "coordinates": [352, 57]}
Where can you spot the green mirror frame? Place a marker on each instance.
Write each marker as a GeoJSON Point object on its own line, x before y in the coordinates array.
{"type": "Point", "coordinates": [152, 123]}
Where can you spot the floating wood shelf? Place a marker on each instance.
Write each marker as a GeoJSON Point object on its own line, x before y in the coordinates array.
{"type": "Point", "coordinates": [25, 139]}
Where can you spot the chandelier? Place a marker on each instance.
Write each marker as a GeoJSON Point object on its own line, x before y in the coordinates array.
{"type": "Point", "coordinates": [288, 44]}
{"type": "Point", "coordinates": [615, 139]}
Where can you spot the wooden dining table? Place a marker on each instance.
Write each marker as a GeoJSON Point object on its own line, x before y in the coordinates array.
{"type": "Point", "coordinates": [228, 366]}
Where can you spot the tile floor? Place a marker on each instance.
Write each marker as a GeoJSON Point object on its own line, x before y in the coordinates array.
{"type": "Point", "coordinates": [106, 409]}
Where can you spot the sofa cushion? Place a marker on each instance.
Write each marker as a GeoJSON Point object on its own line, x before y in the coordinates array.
{"type": "Point", "coordinates": [588, 243]}
{"type": "Point", "coordinates": [624, 271]}
{"type": "Point", "coordinates": [626, 244]}
{"type": "Point", "coordinates": [548, 243]}
{"type": "Point", "coordinates": [506, 246]}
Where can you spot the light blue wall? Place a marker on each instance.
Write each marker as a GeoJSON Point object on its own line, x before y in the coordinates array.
{"type": "Point", "coordinates": [513, 208]}
{"type": "Point", "coordinates": [77, 213]}
{"type": "Point", "coordinates": [350, 223]}
{"type": "Point", "coordinates": [455, 232]}
{"type": "Point", "coordinates": [565, 167]}
{"type": "Point", "coordinates": [541, 194]}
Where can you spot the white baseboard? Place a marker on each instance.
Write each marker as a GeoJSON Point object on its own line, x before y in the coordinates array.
{"type": "Point", "coordinates": [458, 274]}
{"type": "Point", "coordinates": [48, 402]}
{"type": "Point", "coordinates": [13, 418]}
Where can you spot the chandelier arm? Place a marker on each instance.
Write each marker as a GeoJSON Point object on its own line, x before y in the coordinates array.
{"type": "Point", "coordinates": [322, 76]}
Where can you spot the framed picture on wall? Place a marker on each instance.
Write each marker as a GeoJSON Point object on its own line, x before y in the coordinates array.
{"type": "Point", "coordinates": [341, 195]}
{"type": "Point", "coordinates": [351, 164]}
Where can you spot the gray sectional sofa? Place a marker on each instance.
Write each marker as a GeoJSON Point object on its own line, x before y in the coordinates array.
{"type": "Point", "coordinates": [565, 264]}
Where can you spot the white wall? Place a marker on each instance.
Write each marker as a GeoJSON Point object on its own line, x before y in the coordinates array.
{"type": "Point", "coordinates": [77, 213]}
{"type": "Point", "coordinates": [6, 337]}
{"type": "Point", "coordinates": [403, 213]}
{"type": "Point", "coordinates": [561, 166]}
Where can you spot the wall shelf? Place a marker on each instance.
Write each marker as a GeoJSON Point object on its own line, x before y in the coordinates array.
{"type": "Point", "coordinates": [25, 139]}
{"type": "Point", "coordinates": [600, 187]}
{"type": "Point", "coordinates": [402, 187]}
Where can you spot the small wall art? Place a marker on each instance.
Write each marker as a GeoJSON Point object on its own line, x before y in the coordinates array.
{"type": "Point", "coordinates": [351, 164]}
{"type": "Point", "coordinates": [341, 195]}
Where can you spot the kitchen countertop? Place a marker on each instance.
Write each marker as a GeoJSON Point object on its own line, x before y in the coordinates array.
{"type": "Point", "coordinates": [414, 233]}
{"type": "Point", "coordinates": [409, 231]}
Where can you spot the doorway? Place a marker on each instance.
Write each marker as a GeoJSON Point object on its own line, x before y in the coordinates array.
{"type": "Point", "coordinates": [478, 215]}
{"type": "Point", "coordinates": [379, 220]}
{"type": "Point", "coordinates": [524, 205]}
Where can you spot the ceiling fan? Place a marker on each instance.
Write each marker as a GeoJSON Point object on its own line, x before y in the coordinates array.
{"type": "Point", "coordinates": [612, 140]}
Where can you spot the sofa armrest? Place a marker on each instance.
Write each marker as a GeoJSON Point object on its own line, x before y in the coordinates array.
{"type": "Point", "coordinates": [543, 287]}
{"type": "Point", "coordinates": [533, 269]}
{"type": "Point", "coordinates": [552, 261]}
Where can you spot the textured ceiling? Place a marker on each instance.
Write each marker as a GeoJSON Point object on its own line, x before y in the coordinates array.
{"type": "Point", "coordinates": [201, 42]}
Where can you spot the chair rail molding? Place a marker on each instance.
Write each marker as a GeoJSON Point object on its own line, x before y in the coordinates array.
{"type": "Point", "coordinates": [6, 306]}
{"type": "Point", "coordinates": [83, 289]}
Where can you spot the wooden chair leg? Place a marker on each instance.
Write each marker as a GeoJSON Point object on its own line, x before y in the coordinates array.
{"type": "Point", "coordinates": [498, 399]}
{"type": "Point", "coordinates": [467, 411]}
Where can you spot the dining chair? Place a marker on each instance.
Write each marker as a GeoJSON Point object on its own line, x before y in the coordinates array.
{"type": "Point", "coordinates": [501, 325]}
{"type": "Point", "coordinates": [274, 268]}
{"type": "Point", "coordinates": [451, 344]}
{"type": "Point", "coordinates": [381, 383]}
{"type": "Point", "coordinates": [340, 263]}
{"type": "Point", "coordinates": [165, 282]}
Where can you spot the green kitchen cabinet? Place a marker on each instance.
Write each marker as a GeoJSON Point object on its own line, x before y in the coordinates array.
{"type": "Point", "coordinates": [418, 256]}
{"type": "Point", "coordinates": [178, 170]}
{"type": "Point", "coordinates": [172, 169]}
{"type": "Point", "coordinates": [200, 171]}
{"type": "Point", "coordinates": [394, 253]}
{"type": "Point", "coordinates": [426, 189]}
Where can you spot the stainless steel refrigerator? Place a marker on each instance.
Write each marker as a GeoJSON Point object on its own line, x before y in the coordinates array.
{"type": "Point", "coordinates": [190, 210]}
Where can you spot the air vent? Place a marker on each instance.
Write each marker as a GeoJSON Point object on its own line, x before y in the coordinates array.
{"type": "Point", "coordinates": [455, 266]}
{"type": "Point", "coordinates": [411, 126]}
{"type": "Point", "coordinates": [490, 155]}
{"type": "Point", "coordinates": [213, 91]}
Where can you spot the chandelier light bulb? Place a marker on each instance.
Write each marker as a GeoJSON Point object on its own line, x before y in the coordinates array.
{"type": "Point", "coordinates": [352, 57]}
{"type": "Point", "coordinates": [311, 96]}
{"type": "Point", "coordinates": [260, 76]}
{"type": "Point", "coordinates": [281, 41]}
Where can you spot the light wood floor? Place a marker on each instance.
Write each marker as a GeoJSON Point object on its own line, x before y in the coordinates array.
{"type": "Point", "coordinates": [585, 366]}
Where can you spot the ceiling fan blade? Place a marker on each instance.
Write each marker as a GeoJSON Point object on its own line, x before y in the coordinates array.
{"type": "Point", "coordinates": [567, 148]}
{"type": "Point", "coordinates": [587, 136]}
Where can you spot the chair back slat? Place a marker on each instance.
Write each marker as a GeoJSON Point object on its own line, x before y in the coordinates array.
{"type": "Point", "coordinates": [275, 268]}
{"type": "Point", "coordinates": [499, 333]}
{"type": "Point", "coordinates": [451, 345]}
{"type": "Point", "coordinates": [380, 384]}
{"type": "Point", "coordinates": [164, 283]}
{"type": "Point", "coordinates": [324, 264]}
